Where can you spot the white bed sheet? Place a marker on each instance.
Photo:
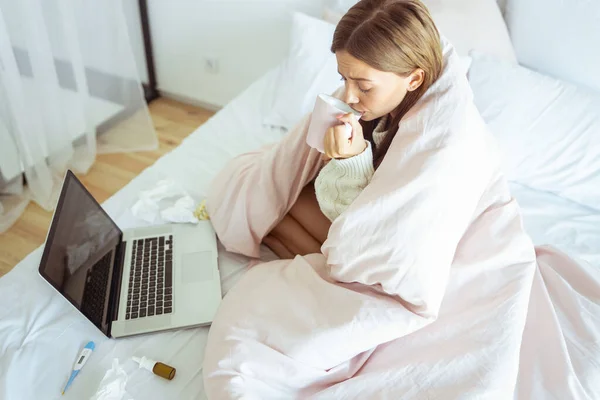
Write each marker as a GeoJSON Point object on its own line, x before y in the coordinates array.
{"type": "Point", "coordinates": [570, 227]}
{"type": "Point", "coordinates": [41, 333]}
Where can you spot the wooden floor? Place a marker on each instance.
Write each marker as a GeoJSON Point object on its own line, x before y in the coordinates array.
{"type": "Point", "coordinates": [172, 120]}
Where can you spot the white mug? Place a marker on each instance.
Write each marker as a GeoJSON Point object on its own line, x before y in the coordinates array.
{"type": "Point", "coordinates": [324, 116]}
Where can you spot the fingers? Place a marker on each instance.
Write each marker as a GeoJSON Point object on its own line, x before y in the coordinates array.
{"type": "Point", "coordinates": [342, 139]}
{"type": "Point", "coordinates": [351, 119]}
{"type": "Point", "coordinates": [336, 142]}
{"type": "Point", "coordinates": [329, 145]}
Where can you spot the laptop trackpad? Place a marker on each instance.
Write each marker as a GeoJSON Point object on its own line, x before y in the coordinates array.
{"type": "Point", "coordinates": [197, 267]}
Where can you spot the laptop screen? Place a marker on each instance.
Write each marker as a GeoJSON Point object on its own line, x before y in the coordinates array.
{"type": "Point", "coordinates": [79, 252]}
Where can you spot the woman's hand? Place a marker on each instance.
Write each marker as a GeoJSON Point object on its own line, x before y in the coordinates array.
{"type": "Point", "coordinates": [337, 144]}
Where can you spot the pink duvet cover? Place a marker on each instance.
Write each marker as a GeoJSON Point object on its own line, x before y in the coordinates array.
{"type": "Point", "coordinates": [427, 286]}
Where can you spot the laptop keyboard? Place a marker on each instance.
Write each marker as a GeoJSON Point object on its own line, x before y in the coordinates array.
{"type": "Point", "coordinates": [94, 293]}
{"type": "Point", "coordinates": [151, 279]}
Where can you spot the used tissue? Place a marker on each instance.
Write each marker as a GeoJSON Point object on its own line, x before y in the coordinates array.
{"type": "Point", "coordinates": [167, 202]}
{"type": "Point", "coordinates": [113, 384]}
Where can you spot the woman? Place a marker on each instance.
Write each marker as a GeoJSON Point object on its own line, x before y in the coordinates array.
{"type": "Point", "coordinates": [382, 82]}
{"type": "Point", "coordinates": [414, 210]}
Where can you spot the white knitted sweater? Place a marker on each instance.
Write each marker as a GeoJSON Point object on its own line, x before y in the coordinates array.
{"type": "Point", "coordinates": [341, 181]}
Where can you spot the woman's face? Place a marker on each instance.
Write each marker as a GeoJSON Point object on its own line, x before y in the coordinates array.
{"type": "Point", "coordinates": [372, 92]}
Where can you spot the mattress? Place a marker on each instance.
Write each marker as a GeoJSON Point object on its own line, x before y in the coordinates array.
{"type": "Point", "coordinates": [41, 334]}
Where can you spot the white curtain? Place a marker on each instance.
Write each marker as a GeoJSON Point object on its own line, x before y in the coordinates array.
{"type": "Point", "coordinates": [69, 89]}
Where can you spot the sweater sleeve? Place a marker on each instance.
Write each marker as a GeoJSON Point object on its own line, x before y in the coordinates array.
{"type": "Point", "coordinates": [341, 181]}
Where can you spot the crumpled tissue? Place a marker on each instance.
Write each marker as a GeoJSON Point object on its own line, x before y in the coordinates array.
{"type": "Point", "coordinates": [113, 384]}
{"type": "Point", "coordinates": [167, 202]}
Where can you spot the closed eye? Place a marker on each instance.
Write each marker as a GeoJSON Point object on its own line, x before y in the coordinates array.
{"type": "Point", "coordinates": [359, 88]}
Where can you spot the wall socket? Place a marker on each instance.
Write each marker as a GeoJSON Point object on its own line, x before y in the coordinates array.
{"type": "Point", "coordinates": [211, 65]}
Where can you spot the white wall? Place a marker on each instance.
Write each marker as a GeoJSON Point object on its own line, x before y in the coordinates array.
{"type": "Point", "coordinates": [247, 37]}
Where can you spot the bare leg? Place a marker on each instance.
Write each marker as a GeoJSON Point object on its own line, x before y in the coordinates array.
{"type": "Point", "coordinates": [278, 248]}
{"type": "Point", "coordinates": [307, 212]}
{"type": "Point", "coordinates": [302, 231]}
{"type": "Point", "coordinates": [293, 235]}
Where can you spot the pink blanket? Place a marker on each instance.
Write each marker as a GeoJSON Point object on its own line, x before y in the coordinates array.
{"type": "Point", "coordinates": [427, 286]}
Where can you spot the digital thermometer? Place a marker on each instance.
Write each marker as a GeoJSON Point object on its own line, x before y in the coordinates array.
{"type": "Point", "coordinates": [81, 360]}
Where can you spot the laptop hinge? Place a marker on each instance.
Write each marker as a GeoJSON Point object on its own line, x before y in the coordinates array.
{"type": "Point", "coordinates": [115, 287]}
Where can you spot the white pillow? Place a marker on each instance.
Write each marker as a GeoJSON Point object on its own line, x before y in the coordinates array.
{"type": "Point", "coordinates": [548, 130]}
{"type": "Point", "coordinates": [468, 24]}
{"type": "Point", "coordinates": [557, 37]}
{"type": "Point", "coordinates": [310, 69]}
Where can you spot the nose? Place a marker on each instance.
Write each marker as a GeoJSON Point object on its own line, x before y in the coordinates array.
{"type": "Point", "coordinates": [350, 96]}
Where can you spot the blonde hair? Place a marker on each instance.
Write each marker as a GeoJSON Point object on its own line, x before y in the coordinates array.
{"type": "Point", "coordinates": [396, 36]}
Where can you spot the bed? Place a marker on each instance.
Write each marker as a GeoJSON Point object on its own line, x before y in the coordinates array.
{"type": "Point", "coordinates": [41, 334]}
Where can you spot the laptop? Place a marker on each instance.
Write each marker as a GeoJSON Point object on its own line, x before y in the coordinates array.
{"type": "Point", "coordinates": [132, 281]}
